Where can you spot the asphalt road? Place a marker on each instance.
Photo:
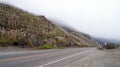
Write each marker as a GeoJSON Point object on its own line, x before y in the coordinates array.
{"type": "Point", "coordinates": [44, 58]}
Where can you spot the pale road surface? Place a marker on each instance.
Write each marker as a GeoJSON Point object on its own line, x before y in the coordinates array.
{"type": "Point", "coordinates": [71, 57]}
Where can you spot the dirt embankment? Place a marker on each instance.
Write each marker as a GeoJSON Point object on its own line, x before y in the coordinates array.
{"type": "Point", "coordinates": [14, 49]}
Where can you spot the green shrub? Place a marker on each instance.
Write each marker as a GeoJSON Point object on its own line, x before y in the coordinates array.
{"type": "Point", "coordinates": [3, 43]}
{"type": "Point", "coordinates": [46, 46]}
{"type": "Point", "coordinates": [6, 42]}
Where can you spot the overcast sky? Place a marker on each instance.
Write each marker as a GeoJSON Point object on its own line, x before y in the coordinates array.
{"type": "Point", "coordinates": [100, 18]}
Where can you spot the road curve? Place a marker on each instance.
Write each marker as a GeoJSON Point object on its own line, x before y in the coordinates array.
{"type": "Point", "coordinates": [43, 58]}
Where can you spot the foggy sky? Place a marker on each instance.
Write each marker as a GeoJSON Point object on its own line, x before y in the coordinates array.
{"type": "Point", "coordinates": [99, 18]}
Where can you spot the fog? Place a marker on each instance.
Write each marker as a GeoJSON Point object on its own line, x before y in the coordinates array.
{"type": "Point", "coordinates": [99, 18]}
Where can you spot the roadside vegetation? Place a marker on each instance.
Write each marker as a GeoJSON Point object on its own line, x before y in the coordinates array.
{"type": "Point", "coordinates": [109, 46]}
{"type": "Point", "coordinates": [46, 46]}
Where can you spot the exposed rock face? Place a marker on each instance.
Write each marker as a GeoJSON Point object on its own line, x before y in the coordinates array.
{"type": "Point", "coordinates": [21, 28]}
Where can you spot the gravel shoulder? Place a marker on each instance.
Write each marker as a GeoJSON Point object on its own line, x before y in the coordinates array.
{"type": "Point", "coordinates": [99, 58]}
{"type": "Point", "coordinates": [14, 49]}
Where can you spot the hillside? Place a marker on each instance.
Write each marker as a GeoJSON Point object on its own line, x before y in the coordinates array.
{"type": "Point", "coordinates": [82, 37]}
{"type": "Point", "coordinates": [20, 28]}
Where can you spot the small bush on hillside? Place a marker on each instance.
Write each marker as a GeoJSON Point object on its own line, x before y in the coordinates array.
{"type": "Point", "coordinates": [46, 46]}
{"type": "Point", "coordinates": [5, 42]}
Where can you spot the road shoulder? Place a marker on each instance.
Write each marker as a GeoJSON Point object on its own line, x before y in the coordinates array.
{"type": "Point", "coordinates": [99, 58]}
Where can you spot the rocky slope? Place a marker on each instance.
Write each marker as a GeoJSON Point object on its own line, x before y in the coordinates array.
{"type": "Point", "coordinates": [20, 28]}
{"type": "Point", "coordinates": [82, 37]}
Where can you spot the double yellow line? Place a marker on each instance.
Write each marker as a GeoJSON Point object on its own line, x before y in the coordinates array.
{"type": "Point", "coordinates": [31, 56]}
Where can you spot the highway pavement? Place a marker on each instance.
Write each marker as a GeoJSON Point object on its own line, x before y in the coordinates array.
{"type": "Point", "coordinates": [44, 58]}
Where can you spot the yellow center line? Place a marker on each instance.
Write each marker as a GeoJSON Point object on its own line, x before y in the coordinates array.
{"type": "Point", "coordinates": [31, 56]}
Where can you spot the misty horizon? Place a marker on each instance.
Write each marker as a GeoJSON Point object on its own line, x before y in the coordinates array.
{"type": "Point", "coordinates": [96, 18]}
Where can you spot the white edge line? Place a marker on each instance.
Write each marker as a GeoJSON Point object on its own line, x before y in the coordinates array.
{"type": "Point", "coordinates": [65, 58]}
